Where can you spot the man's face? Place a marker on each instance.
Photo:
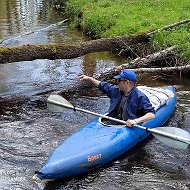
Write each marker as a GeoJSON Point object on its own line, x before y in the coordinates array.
{"type": "Point", "coordinates": [123, 84]}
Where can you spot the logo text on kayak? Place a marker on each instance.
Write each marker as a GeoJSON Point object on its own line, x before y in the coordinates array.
{"type": "Point", "coordinates": [93, 158]}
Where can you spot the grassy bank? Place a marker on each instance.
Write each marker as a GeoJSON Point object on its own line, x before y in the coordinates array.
{"type": "Point", "coordinates": [106, 18]}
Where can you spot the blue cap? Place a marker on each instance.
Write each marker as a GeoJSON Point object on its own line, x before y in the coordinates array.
{"type": "Point", "coordinates": [127, 74]}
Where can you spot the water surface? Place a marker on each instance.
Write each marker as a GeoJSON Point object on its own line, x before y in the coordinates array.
{"type": "Point", "coordinates": [30, 132]}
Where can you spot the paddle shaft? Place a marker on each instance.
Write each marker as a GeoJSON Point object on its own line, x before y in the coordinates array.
{"type": "Point", "coordinates": [172, 136]}
{"type": "Point", "coordinates": [86, 111]}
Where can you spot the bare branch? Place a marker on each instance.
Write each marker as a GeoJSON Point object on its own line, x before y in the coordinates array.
{"type": "Point", "coordinates": [170, 26]}
{"type": "Point", "coordinates": [138, 62]}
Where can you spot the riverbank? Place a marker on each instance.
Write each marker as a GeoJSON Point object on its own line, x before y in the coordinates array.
{"type": "Point", "coordinates": [116, 18]}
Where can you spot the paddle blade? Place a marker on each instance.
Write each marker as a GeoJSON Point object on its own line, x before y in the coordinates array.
{"type": "Point", "coordinates": [57, 103]}
{"type": "Point", "coordinates": [181, 138]}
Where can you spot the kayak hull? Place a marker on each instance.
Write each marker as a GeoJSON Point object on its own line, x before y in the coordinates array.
{"type": "Point", "coordinates": [96, 144]}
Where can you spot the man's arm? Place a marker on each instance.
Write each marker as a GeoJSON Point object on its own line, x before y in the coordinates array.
{"type": "Point", "coordinates": [87, 78]}
{"type": "Point", "coordinates": [144, 118]}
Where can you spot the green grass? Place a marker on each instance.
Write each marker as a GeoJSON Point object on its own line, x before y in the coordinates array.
{"type": "Point", "coordinates": [179, 36]}
{"type": "Point", "coordinates": [106, 18]}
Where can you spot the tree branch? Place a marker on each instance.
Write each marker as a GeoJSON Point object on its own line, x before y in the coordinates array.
{"type": "Point", "coordinates": [170, 26]}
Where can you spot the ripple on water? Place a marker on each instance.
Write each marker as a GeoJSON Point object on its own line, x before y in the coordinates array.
{"type": "Point", "coordinates": [25, 145]}
{"type": "Point", "coordinates": [29, 135]}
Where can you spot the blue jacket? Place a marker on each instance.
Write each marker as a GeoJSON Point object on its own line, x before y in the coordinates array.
{"type": "Point", "coordinates": [138, 103]}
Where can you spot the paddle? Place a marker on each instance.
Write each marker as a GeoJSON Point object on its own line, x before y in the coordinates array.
{"type": "Point", "coordinates": [172, 136]}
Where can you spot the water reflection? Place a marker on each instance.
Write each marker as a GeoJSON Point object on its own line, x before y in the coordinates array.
{"type": "Point", "coordinates": [100, 62]}
{"type": "Point", "coordinates": [32, 20]}
{"type": "Point", "coordinates": [18, 16]}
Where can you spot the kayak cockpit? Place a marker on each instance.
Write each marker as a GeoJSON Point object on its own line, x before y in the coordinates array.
{"type": "Point", "coordinates": [109, 123]}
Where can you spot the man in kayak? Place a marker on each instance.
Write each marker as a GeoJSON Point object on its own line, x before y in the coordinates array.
{"type": "Point", "coordinates": [126, 101]}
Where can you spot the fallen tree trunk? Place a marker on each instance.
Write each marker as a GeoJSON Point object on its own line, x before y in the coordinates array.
{"type": "Point", "coordinates": [162, 69]}
{"type": "Point", "coordinates": [67, 51]}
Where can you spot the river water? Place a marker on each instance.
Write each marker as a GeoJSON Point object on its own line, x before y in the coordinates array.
{"type": "Point", "coordinates": [30, 132]}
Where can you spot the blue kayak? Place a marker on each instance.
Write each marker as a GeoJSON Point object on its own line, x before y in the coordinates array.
{"type": "Point", "coordinates": [97, 144]}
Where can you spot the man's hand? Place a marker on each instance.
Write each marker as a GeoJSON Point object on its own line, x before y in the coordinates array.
{"type": "Point", "coordinates": [84, 77]}
{"type": "Point", "coordinates": [87, 78]}
{"type": "Point", "coordinates": [130, 122]}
